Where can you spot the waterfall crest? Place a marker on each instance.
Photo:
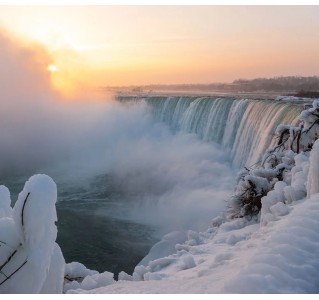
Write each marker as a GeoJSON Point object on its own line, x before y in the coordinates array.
{"type": "Point", "coordinates": [243, 127]}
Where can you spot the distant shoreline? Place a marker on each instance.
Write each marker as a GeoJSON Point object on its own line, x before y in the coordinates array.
{"type": "Point", "coordinates": [266, 88]}
{"type": "Point", "coordinates": [307, 94]}
{"type": "Point", "coordinates": [261, 95]}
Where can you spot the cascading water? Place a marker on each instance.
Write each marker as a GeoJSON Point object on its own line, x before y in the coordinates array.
{"type": "Point", "coordinates": [243, 127]}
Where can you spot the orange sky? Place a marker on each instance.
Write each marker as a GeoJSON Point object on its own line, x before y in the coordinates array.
{"type": "Point", "coordinates": [124, 45]}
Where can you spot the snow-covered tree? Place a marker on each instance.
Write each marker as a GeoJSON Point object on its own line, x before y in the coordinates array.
{"type": "Point", "coordinates": [276, 165]}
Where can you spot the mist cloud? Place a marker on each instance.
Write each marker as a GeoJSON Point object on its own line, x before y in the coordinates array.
{"type": "Point", "coordinates": [170, 181]}
{"type": "Point", "coordinates": [36, 126]}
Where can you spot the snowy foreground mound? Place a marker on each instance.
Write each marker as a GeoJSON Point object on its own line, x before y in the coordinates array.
{"type": "Point", "coordinates": [30, 260]}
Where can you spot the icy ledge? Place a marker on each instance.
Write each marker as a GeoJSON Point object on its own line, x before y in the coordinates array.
{"type": "Point", "coordinates": [294, 99]}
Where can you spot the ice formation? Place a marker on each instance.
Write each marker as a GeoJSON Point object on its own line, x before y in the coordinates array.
{"type": "Point", "coordinates": [30, 260]}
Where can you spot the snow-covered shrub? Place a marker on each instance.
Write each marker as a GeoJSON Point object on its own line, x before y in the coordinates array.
{"type": "Point", "coordinates": [247, 198]}
{"type": "Point", "coordinates": [287, 161]}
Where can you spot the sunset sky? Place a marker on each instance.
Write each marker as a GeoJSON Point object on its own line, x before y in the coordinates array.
{"type": "Point", "coordinates": [127, 45]}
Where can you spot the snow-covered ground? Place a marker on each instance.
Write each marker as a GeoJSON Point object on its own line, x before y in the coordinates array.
{"type": "Point", "coordinates": [294, 99]}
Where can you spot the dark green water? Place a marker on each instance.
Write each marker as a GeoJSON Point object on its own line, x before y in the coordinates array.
{"type": "Point", "coordinates": [87, 230]}
{"type": "Point", "coordinates": [100, 242]}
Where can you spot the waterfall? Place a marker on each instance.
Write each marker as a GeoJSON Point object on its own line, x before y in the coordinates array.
{"type": "Point", "coordinates": [243, 127]}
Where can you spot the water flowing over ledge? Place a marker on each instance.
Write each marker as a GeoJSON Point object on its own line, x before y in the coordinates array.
{"type": "Point", "coordinates": [244, 127]}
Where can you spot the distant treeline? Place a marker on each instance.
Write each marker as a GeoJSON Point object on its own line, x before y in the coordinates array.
{"type": "Point", "coordinates": [289, 85]}
{"type": "Point", "coordinates": [307, 94]}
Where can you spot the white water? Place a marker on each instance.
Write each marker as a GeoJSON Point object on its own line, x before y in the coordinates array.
{"type": "Point", "coordinates": [242, 127]}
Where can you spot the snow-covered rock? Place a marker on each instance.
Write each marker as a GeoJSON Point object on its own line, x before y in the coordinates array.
{"type": "Point", "coordinates": [31, 261]}
{"type": "Point", "coordinates": [164, 247]}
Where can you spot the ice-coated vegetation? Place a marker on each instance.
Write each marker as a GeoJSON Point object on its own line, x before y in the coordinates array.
{"type": "Point", "coordinates": [284, 164]}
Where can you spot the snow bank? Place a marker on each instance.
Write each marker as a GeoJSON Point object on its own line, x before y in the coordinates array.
{"type": "Point", "coordinates": [164, 247]}
{"type": "Point", "coordinates": [287, 262]}
{"type": "Point", "coordinates": [299, 173]}
{"type": "Point", "coordinates": [292, 99]}
{"type": "Point", "coordinates": [272, 204]}
{"type": "Point", "coordinates": [5, 202]}
{"type": "Point", "coordinates": [90, 282]}
{"type": "Point", "coordinates": [78, 277]}
{"type": "Point", "coordinates": [30, 260]}
{"type": "Point", "coordinates": [313, 179]}
{"type": "Point", "coordinates": [76, 270]}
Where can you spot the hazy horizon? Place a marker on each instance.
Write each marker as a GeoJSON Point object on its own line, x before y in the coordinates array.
{"type": "Point", "coordinates": [141, 45]}
{"type": "Point", "coordinates": [211, 83]}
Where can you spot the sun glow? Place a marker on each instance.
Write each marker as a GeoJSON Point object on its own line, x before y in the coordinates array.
{"type": "Point", "coordinates": [100, 46]}
{"type": "Point", "coordinates": [52, 68]}
{"type": "Point", "coordinates": [68, 72]}
{"type": "Point", "coordinates": [65, 81]}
